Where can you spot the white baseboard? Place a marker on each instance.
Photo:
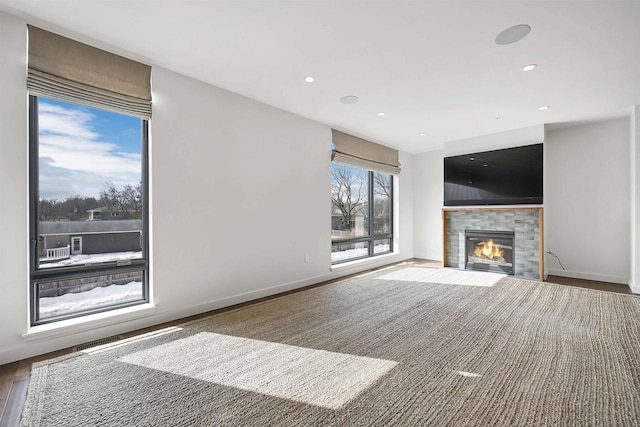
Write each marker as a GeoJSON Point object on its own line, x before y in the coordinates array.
{"type": "Point", "coordinates": [635, 289]}
{"type": "Point", "coordinates": [426, 257]}
{"type": "Point", "coordinates": [589, 276]}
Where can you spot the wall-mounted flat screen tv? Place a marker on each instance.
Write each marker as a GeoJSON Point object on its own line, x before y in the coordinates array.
{"type": "Point", "coordinates": [512, 176]}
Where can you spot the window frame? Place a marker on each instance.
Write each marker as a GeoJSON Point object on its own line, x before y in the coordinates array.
{"type": "Point", "coordinates": [39, 275]}
{"type": "Point", "coordinates": [370, 238]}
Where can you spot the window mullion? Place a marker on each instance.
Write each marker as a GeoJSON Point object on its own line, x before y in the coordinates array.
{"type": "Point", "coordinates": [391, 189]}
{"type": "Point", "coordinates": [371, 213]}
{"type": "Point", "coordinates": [34, 174]}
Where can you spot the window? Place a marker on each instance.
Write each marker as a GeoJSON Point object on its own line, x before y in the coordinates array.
{"type": "Point", "coordinates": [88, 194]}
{"type": "Point", "coordinates": [361, 213]}
{"type": "Point", "coordinates": [88, 138]}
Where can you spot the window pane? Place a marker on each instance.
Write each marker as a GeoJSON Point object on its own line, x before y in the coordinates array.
{"type": "Point", "coordinates": [381, 246]}
{"type": "Point", "coordinates": [89, 185]}
{"type": "Point", "coordinates": [382, 203]}
{"type": "Point", "coordinates": [346, 251]}
{"type": "Point", "coordinates": [65, 297]}
{"type": "Point", "coordinates": [349, 202]}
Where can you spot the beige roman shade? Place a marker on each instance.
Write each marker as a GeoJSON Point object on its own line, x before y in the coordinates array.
{"type": "Point", "coordinates": [69, 70]}
{"type": "Point", "coordinates": [354, 151]}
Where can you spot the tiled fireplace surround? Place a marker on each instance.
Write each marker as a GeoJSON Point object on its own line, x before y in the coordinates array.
{"type": "Point", "coordinates": [526, 223]}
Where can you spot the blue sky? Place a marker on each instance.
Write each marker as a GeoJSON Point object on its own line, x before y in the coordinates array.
{"type": "Point", "coordinates": [82, 147]}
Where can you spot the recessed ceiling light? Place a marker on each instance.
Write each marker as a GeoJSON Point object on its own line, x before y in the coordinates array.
{"type": "Point", "coordinates": [529, 67]}
{"type": "Point", "coordinates": [380, 114]}
{"type": "Point", "coordinates": [544, 107]}
{"type": "Point", "coordinates": [309, 79]}
{"type": "Point", "coordinates": [422, 134]}
{"type": "Point", "coordinates": [349, 99]}
{"type": "Point", "coordinates": [513, 34]}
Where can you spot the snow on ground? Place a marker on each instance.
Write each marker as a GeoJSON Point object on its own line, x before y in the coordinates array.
{"type": "Point", "coordinates": [358, 252]}
{"type": "Point", "coordinates": [89, 300]}
{"type": "Point", "coordinates": [132, 291]}
{"type": "Point", "coordinates": [92, 259]}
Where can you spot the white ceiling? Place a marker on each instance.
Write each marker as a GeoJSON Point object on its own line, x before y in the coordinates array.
{"type": "Point", "coordinates": [431, 66]}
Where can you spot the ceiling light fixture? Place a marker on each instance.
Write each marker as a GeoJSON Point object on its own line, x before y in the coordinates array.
{"type": "Point", "coordinates": [422, 134]}
{"type": "Point", "coordinates": [380, 114]}
{"type": "Point", "coordinates": [529, 67]}
{"type": "Point", "coordinates": [349, 99]}
{"type": "Point", "coordinates": [544, 107]}
{"type": "Point", "coordinates": [513, 34]}
{"type": "Point", "coordinates": [309, 79]}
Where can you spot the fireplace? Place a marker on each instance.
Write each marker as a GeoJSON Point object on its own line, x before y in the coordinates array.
{"type": "Point", "coordinates": [489, 251]}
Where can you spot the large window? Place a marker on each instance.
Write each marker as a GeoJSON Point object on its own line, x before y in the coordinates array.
{"type": "Point", "coordinates": [88, 192]}
{"type": "Point", "coordinates": [361, 213]}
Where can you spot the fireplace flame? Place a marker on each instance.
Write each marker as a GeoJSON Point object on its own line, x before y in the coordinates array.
{"type": "Point", "coordinates": [488, 250]}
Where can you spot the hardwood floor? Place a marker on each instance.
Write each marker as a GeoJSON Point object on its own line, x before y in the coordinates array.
{"type": "Point", "coordinates": [14, 377]}
{"type": "Point", "coordinates": [7, 377]}
{"type": "Point", "coordinates": [590, 284]}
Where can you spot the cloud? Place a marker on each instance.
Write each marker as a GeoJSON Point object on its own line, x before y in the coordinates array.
{"type": "Point", "coordinates": [59, 120]}
{"type": "Point", "coordinates": [60, 183]}
{"type": "Point", "coordinates": [75, 159]}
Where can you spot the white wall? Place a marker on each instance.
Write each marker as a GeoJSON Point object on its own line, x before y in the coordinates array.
{"type": "Point", "coordinates": [587, 201]}
{"type": "Point", "coordinates": [404, 207]}
{"type": "Point", "coordinates": [634, 164]}
{"type": "Point", "coordinates": [240, 193]}
{"type": "Point", "coordinates": [428, 196]}
{"type": "Point", "coordinates": [13, 183]}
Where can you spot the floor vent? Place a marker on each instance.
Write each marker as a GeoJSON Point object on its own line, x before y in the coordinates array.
{"type": "Point", "coordinates": [96, 343]}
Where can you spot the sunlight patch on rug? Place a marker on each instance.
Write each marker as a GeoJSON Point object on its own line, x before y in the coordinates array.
{"type": "Point", "coordinates": [314, 377]}
{"type": "Point", "coordinates": [445, 276]}
{"type": "Point", "coordinates": [468, 374]}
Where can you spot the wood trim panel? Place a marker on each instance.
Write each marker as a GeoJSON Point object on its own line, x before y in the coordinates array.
{"type": "Point", "coordinates": [444, 237]}
{"type": "Point", "coordinates": [541, 240]}
{"type": "Point", "coordinates": [491, 208]}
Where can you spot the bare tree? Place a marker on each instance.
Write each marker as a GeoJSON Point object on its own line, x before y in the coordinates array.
{"type": "Point", "coordinates": [382, 184]}
{"type": "Point", "coordinates": [72, 208]}
{"type": "Point", "coordinates": [382, 202]}
{"type": "Point", "coordinates": [128, 200]}
{"type": "Point", "coordinates": [49, 210]}
{"type": "Point", "coordinates": [348, 193]}
{"type": "Point", "coordinates": [132, 199]}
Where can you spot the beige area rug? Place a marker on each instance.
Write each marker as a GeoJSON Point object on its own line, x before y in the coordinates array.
{"type": "Point", "coordinates": [405, 346]}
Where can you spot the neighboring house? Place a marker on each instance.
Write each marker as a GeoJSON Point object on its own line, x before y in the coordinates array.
{"type": "Point", "coordinates": [90, 237]}
{"type": "Point", "coordinates": [358, 222]}
{"type": "Point", "coordinates": [108, 212]}
{"type": "Point", "coordinates": [340, 229]}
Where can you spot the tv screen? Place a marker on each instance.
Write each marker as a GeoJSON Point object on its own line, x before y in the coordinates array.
{"type": "Point", "coordinates": [511, 176]}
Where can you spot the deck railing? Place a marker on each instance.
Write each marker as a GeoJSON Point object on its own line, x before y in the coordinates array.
{"type": "Point", "coordinates": [58, 253]}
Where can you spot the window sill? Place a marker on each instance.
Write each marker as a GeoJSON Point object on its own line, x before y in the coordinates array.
{"type": "Point", "coordinates": [358, 262]}
{"type": "Point", "coordinates": [85, 323]}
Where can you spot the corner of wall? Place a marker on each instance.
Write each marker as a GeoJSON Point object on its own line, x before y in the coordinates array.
{"type": "Point", "coordinates": [634, 187]}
